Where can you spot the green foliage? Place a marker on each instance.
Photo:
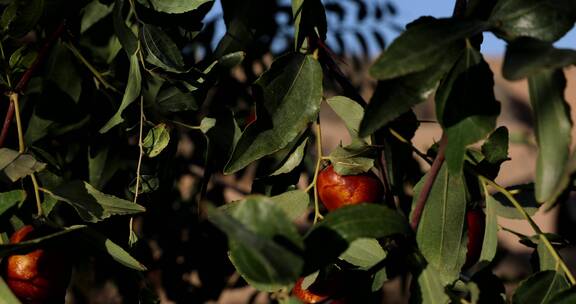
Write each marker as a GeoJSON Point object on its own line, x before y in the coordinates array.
{"type": "Point", "coordinates": [126, 116]}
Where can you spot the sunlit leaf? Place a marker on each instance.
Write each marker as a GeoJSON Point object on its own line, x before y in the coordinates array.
{"type": "Point", "coordinates": [290, 92]}
{"type": "Point", "coordinates": [15, 166]}
{"type": "Point", "coordinates": [553, 127]}
{"type": "Point", "coordinates": [156, 140]}
{"type": "Point", "coordinates": [545, 20]}
{"type": "Point", "coordinates": [422, 45]}
{"type": "Point", "coordinates": [132, 92]}
{"type": "Point", "coordinates": [440, 233]}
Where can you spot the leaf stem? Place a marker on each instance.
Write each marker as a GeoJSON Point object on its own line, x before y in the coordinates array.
{"type": "Point", "coordinates": [428, 183]}
{"type": "Point", "coordinates": [317, 214]}
{"type": "Point", "coordinates": [40, 212]}
{"type": "Point", "coordinates": [14, 100]}
{"type": "Point", "coordinates": [533, 225]}
{"type": "Point", "coordinates": [139, 165]}
{"type": "Point", "coordinates": [90, 67]}
{"type": "Point", "coordinates": [187, 126]}
{"type": "Point", "coordinates": [14, 96]}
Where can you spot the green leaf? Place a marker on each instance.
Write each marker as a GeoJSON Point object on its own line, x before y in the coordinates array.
{"type": "Point", "coordinates": [294, 203]}
{"type": "Point", "coordinates": [15, 166]}
{"type": "Point", "coordinates": [206, 124]}
{"type": "Point", "coordinates": [294, 159]}
{"type": "Point", "coordinates": [495, 148]}
{"type": "Point", "coordinates": [546, 20]}
{"type": "Point", "coordinates": [63, 73]}
{"type": "Point", "coordinates": [567, 296]}
{"type": "Point", "coordinates": [364, 253]}
{"type": "Point", "coordinates": [156, 140]}
{"type": "Point", "coordinates": [291, 92]}
{"type": "Point", "coordinates": [546, 260]}
{"type": "Point", "coordinates": [102, 165]}
{"type": "Point", "coordinates": [132, 92]}
{"type": "Point", "coordinates": [94, 239]}
{"type": "Point", "coordinates": [91, 204]}
{"type": "Point", "coordinates": [21, 16]}
{"type": "Point", "coordinates": [10, 199]}
{"type": "Point", "coordinates": [394, 97]}
{"type": "Point", "coordinates": [221, 139]}
{"type": "Point", "coordinates": [490, 243]}
{"type": "Point", "coordinates": [175, 99]}
{"type": "Point", "coordinates": [524, 194]}
{"type": "Point", "coordinates": [553, 132]}
{"type": "Point", "coordinates": [332, 236]}
{"type": "Point", "coordinates": [379, 279]}
{"type": "Point", "coordinates": [527, 56]}
{"type": "Point", "coordinates": [22, 58]}
{"type": "Point", "coordinates": [92, 13]}
{"type": "Point", "coordinates": [6, 295]}
{"type": "Point", "coordinates": [440, 233]}
{"type": "Point", "coordinates": [349, 110]}
{"type": "Point", "coordinates": [161, 49]}
{"type": "Point", "coordinates": [148, 183]}
{"type": "Point", "coordinates": [431, 289]}
{"type": "Point", "coordinates": [539, 288]}
{"type": "Point", "coordinates": [465, 105]}
{"type": "Point", "coordinates": [264, 244]}
{"type": "Point", "coordinates": [125, 35]}
{"type": "Point", "coordinates": [309, 21]}
{"type": "Point", "coordinates": [173, 6]}
{"type": "Point", "coordinates": [28, 245]}
{"type": "Point", "coordinates": [423, 45]}
{"type": "Point", "coordinates": [353, 159]}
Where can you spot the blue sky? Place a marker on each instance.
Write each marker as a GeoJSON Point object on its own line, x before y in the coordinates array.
{"type": "Point", "coordinates": [411, 9]}
{"type": "Point", "coordinates": [408, 10]}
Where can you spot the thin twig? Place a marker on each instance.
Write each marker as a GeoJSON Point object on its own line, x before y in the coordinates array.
{"type": "Point", "coordinates": [140, 150]}
{"type": "Point", "coordinates": [139, 165]}
{"type": "Point", "coordinates": [90, 67]}
{"type": "Point", "coordinates": [428, 183]}
{"type": "Point", "coordinates": [533, 225]}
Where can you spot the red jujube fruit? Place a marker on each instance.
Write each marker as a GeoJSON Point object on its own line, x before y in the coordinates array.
{"type": "Point", "coordinates": [39, 276]}
{"type": "Point", "coordinates": [337, 190]}
{"type": "Point", "coordinates": [475, 222]}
